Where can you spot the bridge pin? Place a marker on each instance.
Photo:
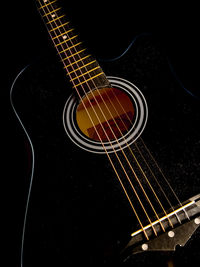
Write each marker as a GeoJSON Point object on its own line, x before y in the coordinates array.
{"type": "Point", "coordinates": [197, 220]}
{"type": "Point", "coordinates": [144, 247]}
{"type": "Point", "coordinates": [171, 234]}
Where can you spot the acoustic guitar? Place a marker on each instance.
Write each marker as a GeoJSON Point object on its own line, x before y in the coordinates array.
{"type": "Point", "coordinates": [98, 195]}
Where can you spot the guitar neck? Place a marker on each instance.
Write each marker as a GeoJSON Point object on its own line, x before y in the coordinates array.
{"type": "Point", "coordinates": [82, 69]}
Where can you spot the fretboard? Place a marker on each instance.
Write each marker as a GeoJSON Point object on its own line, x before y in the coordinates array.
{"type": "Point", "coordinates": [82, 69]}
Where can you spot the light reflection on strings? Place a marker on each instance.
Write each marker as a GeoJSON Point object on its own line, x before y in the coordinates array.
{"type": "Point", "coordinates": [47, 6]}
{"type": "Point", "coordinates": [125, 191]}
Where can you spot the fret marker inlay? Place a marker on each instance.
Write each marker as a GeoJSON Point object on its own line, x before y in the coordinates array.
{"type": "Point", "coordinates": [80, 66]}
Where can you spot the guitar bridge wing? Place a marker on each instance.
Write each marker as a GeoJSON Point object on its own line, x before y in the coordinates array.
{"type": "Point", "coordinates": [184, 227]}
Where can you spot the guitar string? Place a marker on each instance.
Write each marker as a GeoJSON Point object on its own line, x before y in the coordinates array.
{"type": "Point", "coordinates": [138, 164]}
{"type": "Point", "coordinates": [165, 178]}
{"type": "Point", "coordinates": [135, 144]}
{"type": "Point", "coordinates": [140, 183]}
{"type": "Point", "coordinates": [150, 169]}
{"type": "Point", "coordinates": [145, 193]}
{"type": "Point", "coordinates": [140, 168]}
{"type": "Point", "coordinates": [140, 152]}
{"type": "Point", "coordinates": [125, 158]}
{"type": "Point", "coordinates": [112, 164]}
{"type": "Point", "coordinates": [48, 13]}
{"type": "Point", "coordinates": [129, 178]}
{"type": "Point", "coordinates": [155, 178]}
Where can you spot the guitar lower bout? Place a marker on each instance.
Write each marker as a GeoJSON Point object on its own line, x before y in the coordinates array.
{"type": "Point", "coordinates": [108, 119]}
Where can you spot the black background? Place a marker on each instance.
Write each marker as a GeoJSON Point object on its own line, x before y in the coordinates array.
{"type": "Point", "coordinates": [107, 28]}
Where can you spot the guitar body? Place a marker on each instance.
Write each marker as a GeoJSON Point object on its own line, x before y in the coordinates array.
{"type": "Point", "coordinates": [78, 212]}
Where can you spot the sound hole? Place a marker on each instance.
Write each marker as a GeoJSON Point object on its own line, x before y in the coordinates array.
{"type": "Point", "coordinates": [105, 114]}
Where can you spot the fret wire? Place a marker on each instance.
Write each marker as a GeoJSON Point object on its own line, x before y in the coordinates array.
{"type": "Point", "coordinates": [85, 65]}
{"type": "Point", "coordinates": [54, 10]}
{"type": "Point", "coordinates": [97, 132]}
{"type": "Point", "coordinates": [59, 26]}
{"type": "Point", "coordinates": [51, 21]}
{"type": "Point", "coordinates": [47, 4]}
{"type": "Point", "coordinates": [91, 78]}
{"type": "Point", "coordinates": [88, 79]}
{"type": "Point", "coordinates": [65, 41]}
{"type": "Point", "coordinates": [71, 47]}
{"type": "Point", "coordinates": [75, 55]}
{"type": "Point", "coordinates": [78, 52]}
{"type": "Point", "coordinates": [85, 73]}
{"type": "Point", "coordinates": [76, 61]}
{"type": "Point", "coordinates": [56, 26]}
{"type": "Point", "coordinates": [56, 37]}
{"type": "Point", "coordinates": [65, 32]}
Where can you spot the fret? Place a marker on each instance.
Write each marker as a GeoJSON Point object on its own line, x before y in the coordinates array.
{"type": "Point", "coordinates": [47, 4]}
{"type": "Point", "coordinates": [72, 55]}
{"type": "Point", "coordinates": [73, 61]}
{"type": "Point", "coordinates": [67, 40]}
{"type": "Point", "coordinates": [62, 25]}
{"type": "Point", "coordinates": [53, 11]}
{"type": "Point", "coordinates": [75, 54]}
{"type": "Point", "coordinates": [89, 79]}
{"type": "Point", "coordinates": [70, 47]}
{"type": "Point", "coordinates": [67, 30]}
{"type": "Point", "coordinates": [48, 7]}
{"type": "Point", "coordinates": [85, 73]}
{"type": "Point", "coordinates": [81, 59]}
{"type": "Point", "coordinates": [52, 16]}
{"type": "Point", "coordinates": [81, 67]}
{"type": "Point", "coordinates": [55, 19]}
{"type": "Point", "coordinates": [62, 34]}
